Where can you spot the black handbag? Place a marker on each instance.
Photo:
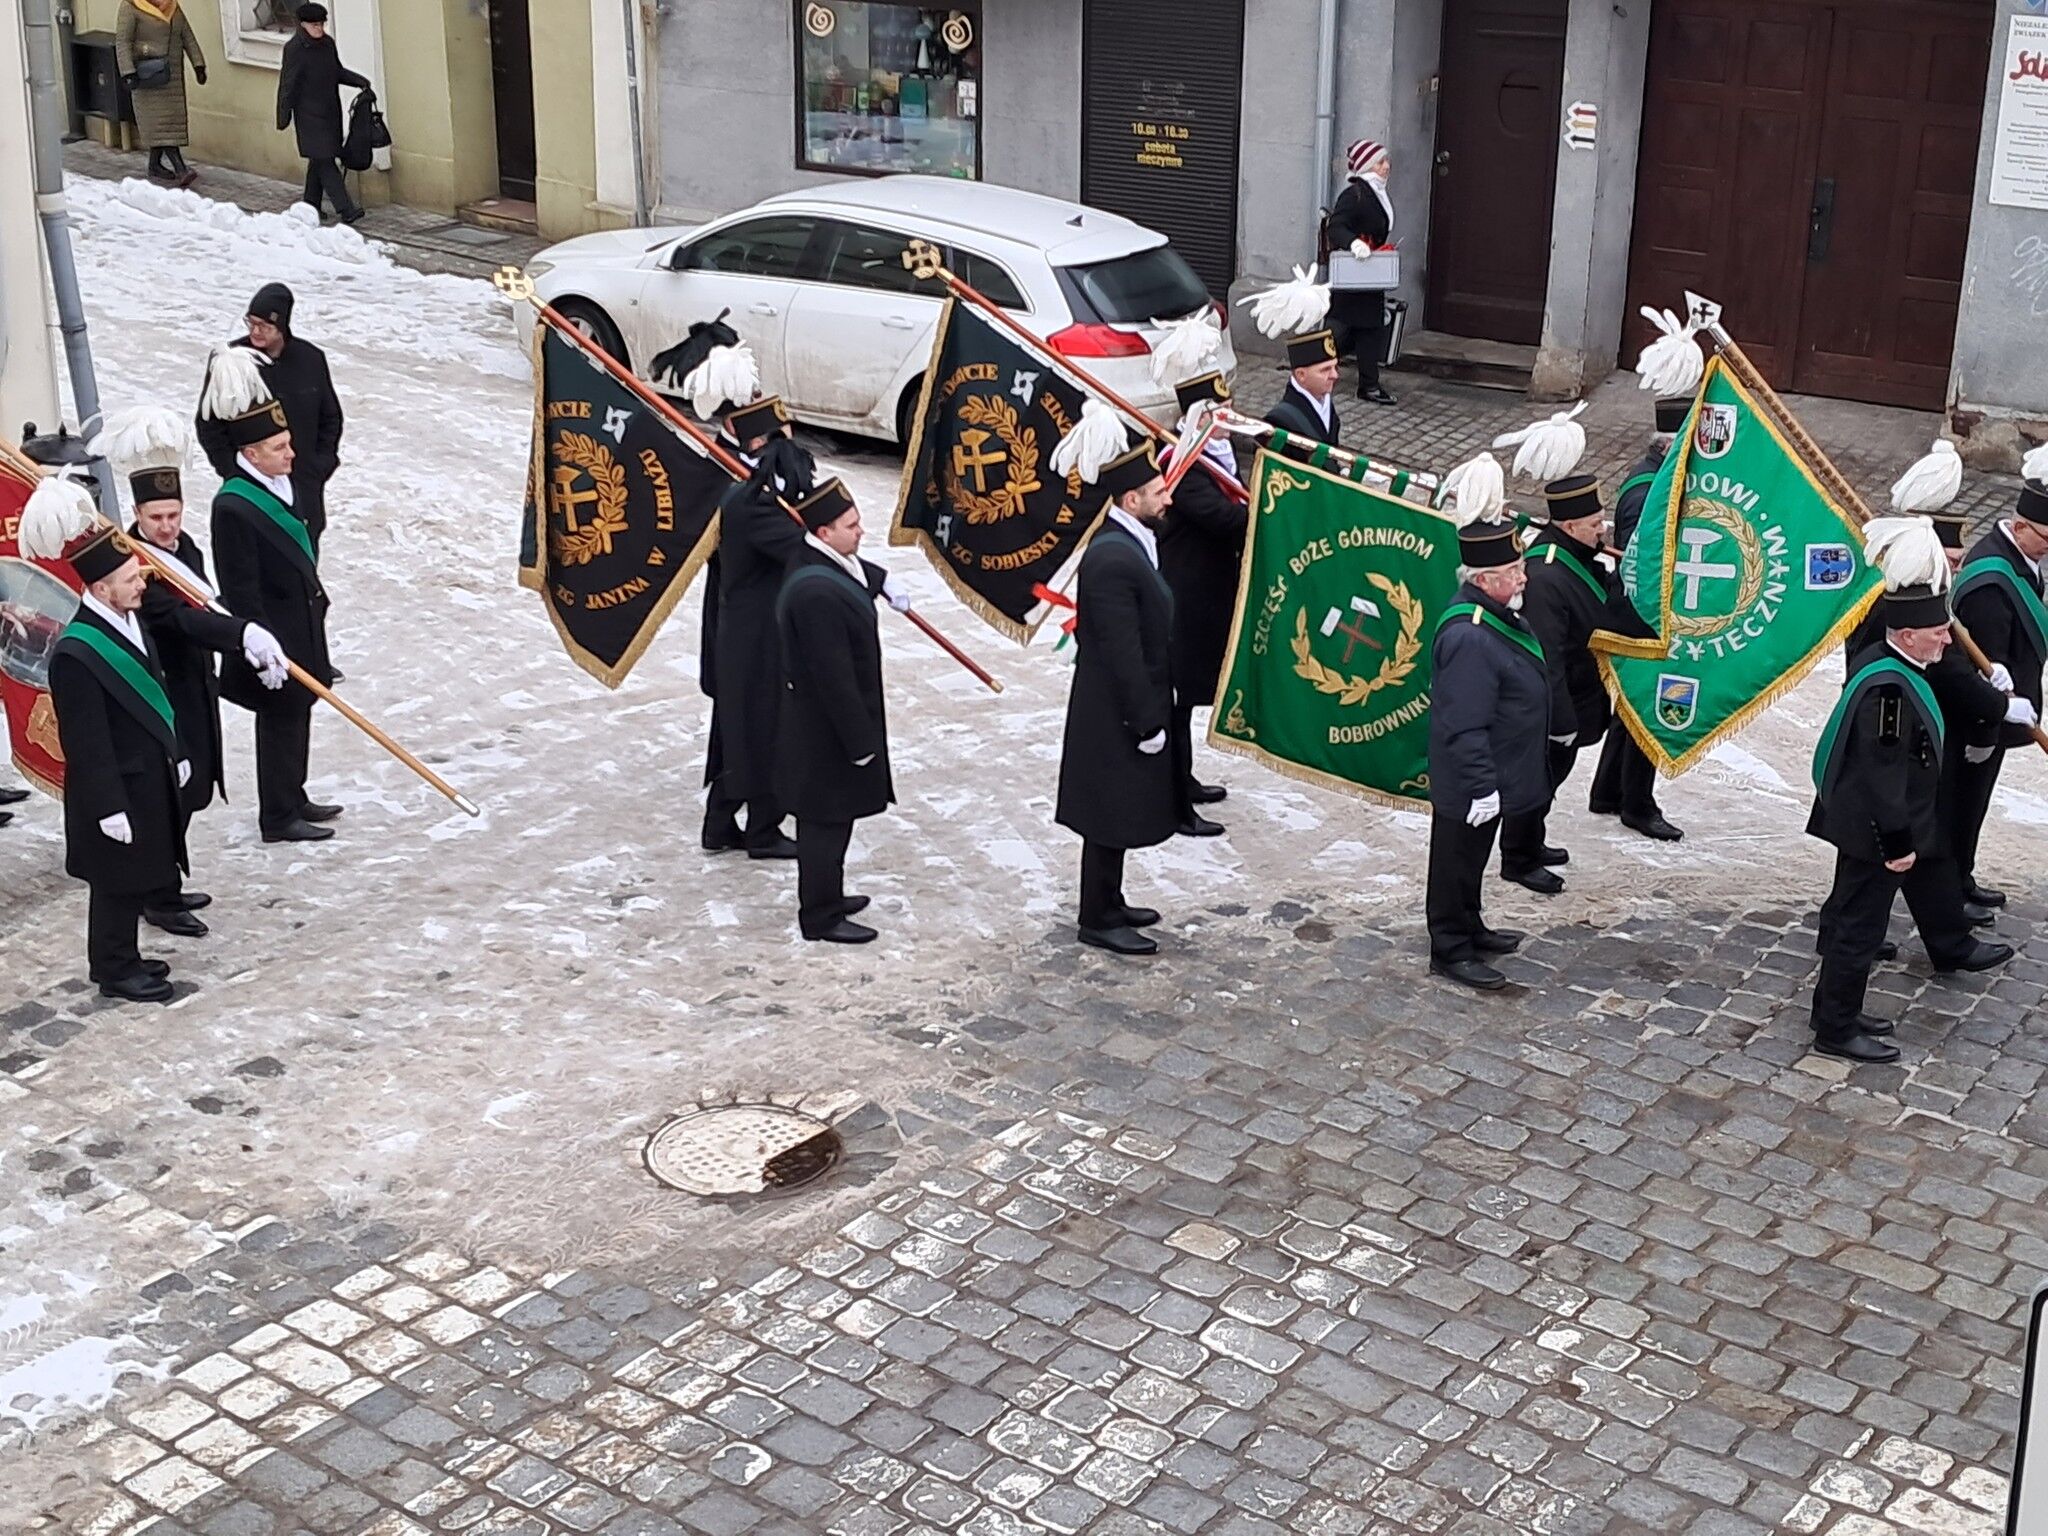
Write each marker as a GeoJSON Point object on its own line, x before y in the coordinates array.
{"type": "Point", "coordinates": [151, 74]}
{"type": "Point", "coordinates": [366, 135]}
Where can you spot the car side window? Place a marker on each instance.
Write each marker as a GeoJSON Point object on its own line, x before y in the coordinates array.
{"type": "Point", "coordinates": [860, 257]}
{"type": "Point", "coordinates": [756, 248]}
{"type": "Point", "coordinates": [988, 279]}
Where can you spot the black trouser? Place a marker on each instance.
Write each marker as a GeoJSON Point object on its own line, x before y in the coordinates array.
{"type": "Point", "coordinates": [110, 949]}
{"type": "Point", "coordinates": [284, 737]}
{"type": "Point", "coordinates": [1521, 835]}
{"type": "Point", "coordinates": [1852, 925]}
{"type": "Point", "coordinates": [1368, 343]}
{"type": "Point", "coordinates": [1102, 886]}
{"type": "Point", "coordinates": [1457, 867]}
{"type": "Point", "coordinates": [172, 897]}
{"type": "Point", "coordinates": [820, 874]}
{"type": "Point", "coordinates": [1626, 780]}
{"type": "Point", "coordinates": [1184, 757]}
{"type": "Point", "coordinates": [324, 177]}
{"type": "Point", "coordinates": [1974, 783]}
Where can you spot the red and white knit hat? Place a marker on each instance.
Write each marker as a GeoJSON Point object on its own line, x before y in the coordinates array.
{"type": "Point", "coordinates": [1362, 154]}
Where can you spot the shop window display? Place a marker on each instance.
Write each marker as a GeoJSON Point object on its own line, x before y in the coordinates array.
{"type": "Point", "coordinates": [884, 87]}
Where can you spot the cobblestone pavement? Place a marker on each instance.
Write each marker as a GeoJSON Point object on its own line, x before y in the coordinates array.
{"type": "Point", "coordinates": [1283, 1239]}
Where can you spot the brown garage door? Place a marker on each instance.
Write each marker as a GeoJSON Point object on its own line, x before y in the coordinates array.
{"type": "Point", "coordinates": [1811, 167]}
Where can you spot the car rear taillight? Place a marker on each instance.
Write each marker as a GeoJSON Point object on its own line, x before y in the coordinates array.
{"type": "Point", "coordinates": [1098, 341]}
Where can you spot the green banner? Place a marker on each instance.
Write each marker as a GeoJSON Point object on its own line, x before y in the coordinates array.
{"type": "Point", "coordinates": [1744, 567]}
{"type": "Point", "coordinates": [1327, 674]}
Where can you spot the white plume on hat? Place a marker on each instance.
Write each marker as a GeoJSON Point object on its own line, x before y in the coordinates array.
{"type": "Point", "coordinates": [144, 437]}
{"type": "Point", "coordinates": [1550, 448]}
{"type": "Point", "coordinates": [1290, 308]}
{"type": "Point", "coordinates": [58, 511]}
{"type": "Point", "coordinates": [234, 383]}
{"type": "Point", "coordinates": [727, 373]}
{"type": "Point", "coordinates": [1098, 437]}
{"type": "Point", "coordinates": [1907, 552]}
{"type": "Point", "coordinates": [1189, 346]}
{"type": "Point", "coordinates": [1673, 364]}
{"type": "Point", "coordinates": [2035, 465]}
{"type": "Point", "coordinates": [1929, 483]}
{"type": "Point", "coordinates": [1475, 491]}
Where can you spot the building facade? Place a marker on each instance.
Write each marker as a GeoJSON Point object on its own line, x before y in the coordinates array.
{"type": "Point", "coordinates": [1863, 184]}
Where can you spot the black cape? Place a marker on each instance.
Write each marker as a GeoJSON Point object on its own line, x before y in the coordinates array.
{"type": "Point", "coordinates": [833, 713]}
{"type": "Point", "coordinates": [186, 639]}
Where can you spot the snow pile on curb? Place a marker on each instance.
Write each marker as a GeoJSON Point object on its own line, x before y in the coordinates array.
{"type": "Point", "coordinates": [297, 229]}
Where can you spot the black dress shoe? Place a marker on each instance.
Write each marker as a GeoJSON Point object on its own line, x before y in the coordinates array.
{"type": "Point", "coordinates": [780, 848]}
{"type": "Point", "coordinates": [175, 920]}
{"type": "Point", "coordinates": [1983, 895]}
{"type": "Point", "coordinates": [137, 988]}
{"type": "Point", "coordinates": [1139, 917]}
{"type": "Point", "coordinates": [1376, 396]}
{"type": "Point", "coordinates": [1201, 794]}
{"type": "Point", "coordinates": [1118, 941]}
{"type": "Point", "coordinates": [1499, 941]}
{"type": "Point", "coordinates": [723, 839]}
{"type": "Point", "coordinates": [1858, 1047]}
{"type": "Point", "coordinates": [1193, 825]}
{"type": "Point", "coordinates": [1870, 1024]}
{"type": "Point", "coordinates": [157, 969]}
{"type": "Point", "coordinates": [336, 675]}
{"type": "Point", "coordinates": [312, 810]}
{"type": "Point", "coordinates": [1980, 917]}
{"type": "Point", "coordinates": [298, 832]}
{"type": "Point", "coordinates": [11, 796]}
{"type": "Point", "coordinates": [193, 901]}
{"type": "Point", "coordinates": [1476, 974]}
{"type": "Point", "coordinates": [1542, 881]}
{"type": "Point", "coordinates": [1652, 825]}
{"type": "Point", "coordinates": [1551, 857]}
{"type": "Point", "coordinates": [1604, 807]}
{"type": "Point", "coordinates": [6, 817]}
{"type": "Point", "coordinates": [1982, 958]}
{"type": "Point", "coordinates": [1888, 950]}
{"type": "Point", "coordinates": [853, 904]}
{"type": "Point", "coordinates": [843, 932]}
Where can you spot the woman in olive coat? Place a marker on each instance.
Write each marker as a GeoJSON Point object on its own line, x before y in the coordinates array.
{"type": "Point", "coordinates": [152, 41]}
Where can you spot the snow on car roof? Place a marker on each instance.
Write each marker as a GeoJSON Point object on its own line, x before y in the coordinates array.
{"type": "Point", "coordinates": [1070, 234]}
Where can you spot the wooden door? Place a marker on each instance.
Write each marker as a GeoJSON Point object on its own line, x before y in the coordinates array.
{"type": "Point", "coordinates": [1498, 122]}
{"type": "Point", "coordinates": [512, 97]}
{"type": "Point", "coordinates": [1891, 203]}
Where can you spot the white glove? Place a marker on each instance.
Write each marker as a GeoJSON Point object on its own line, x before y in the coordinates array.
{"type": "Point", "coordinates": [1360, 249]}
{"type": "Point", "coordinates": [1482, 810]}
{"type": "Point", "coordinates": [2000, 678]}
{"type": "Point", "coordinates": [184, 772]}
{"type": "Point", "coordinates": [1978, 754]}
{"type": "Point", "coordinates": [116, 827]}
{"type": "Point", "coordinates": [261, 650]}
{"type": "Point", "coordinates": [894, 595]}
{"type": "Point", "coordinates": [1154, 744]}
{"type": "Point", "coordinates": [2019, 712]}
{"type": "Point", "coordinates": [862, 762]}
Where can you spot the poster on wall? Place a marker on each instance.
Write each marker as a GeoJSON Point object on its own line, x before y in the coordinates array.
{"type": "Point", "coordinates": [2019, 160]}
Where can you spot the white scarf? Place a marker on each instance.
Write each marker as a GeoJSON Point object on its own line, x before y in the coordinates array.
{"type": "Point", "coordinates": [1147, 540]}
{"type": "Point", "coordinates": [280, 488]}
{"type": "Point", "coordinates": [847, 563]}
{"type": "Point", "coordinates": [124, 624]}
{"type": "Point", "coordinates": [1377, 185]}
{"type": "Point", "coordinates": [2013, 539]}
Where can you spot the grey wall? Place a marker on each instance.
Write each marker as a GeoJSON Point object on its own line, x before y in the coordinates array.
{"type": "Point", "coordinates": [1997, 373]}
{"type": "Point", "coordinates": [1276, 217]}
{"type": "Point", "coordinates": [1032, 98]}
{"type": "Point", "coordinates": [1605, 54]}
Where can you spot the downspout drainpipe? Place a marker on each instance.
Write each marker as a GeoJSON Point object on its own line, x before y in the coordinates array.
{"type": "Point", "coordinates": [1326, 101]}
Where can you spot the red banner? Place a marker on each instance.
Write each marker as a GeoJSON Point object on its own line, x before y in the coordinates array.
{"type": "Point", "coordinates": [35, 605]}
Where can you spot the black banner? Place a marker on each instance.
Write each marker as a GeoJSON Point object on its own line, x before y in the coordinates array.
{"type": "Point", "coordinates": [621, 510]}
{"type": "Point", "coordinates": [977, 494]}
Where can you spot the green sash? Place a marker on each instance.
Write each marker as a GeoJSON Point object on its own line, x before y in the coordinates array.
{"type": "Point", "coordinates": [1632, 482]}
{"type": "Point", "coordinates": [1557, 554]}
{"type": "Point", "coordinates": [1881, 670]}
{"type": "Point", "coordinates": [1521, 637]}
{"type": "Point", "coordinates": [280, 514]}
{"type": "Point", "coordinates": [127, 666]}
{"type": "Point", "coordinates": [2024, 601]}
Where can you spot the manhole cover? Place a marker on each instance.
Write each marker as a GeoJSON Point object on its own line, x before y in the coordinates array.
{"type": "Point", "coordinates": [741, 1149]}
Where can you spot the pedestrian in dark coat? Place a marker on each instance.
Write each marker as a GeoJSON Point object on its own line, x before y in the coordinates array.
{"type": "Point", "coordinates": [1362, 220]}
{"type": "Point", "coordinates": [1489, 717]}
{"type": "Point", "coordinates": [1998, 599]}
{"type": "Point", "coordinates": [1565, 601]}
{"type": "Point", "coordinates": [832, 758]}
{"type": "Point", "coordinates": [309, 102]}
{"type": "Point", "coordinates": [123, 834]}
{"type": "Point", "coordinates": [298, 377]}
{"type": "Point", "coordinates": [152, 41]}
{"type": "Point", "coordinates": [1307, 407]}
{"type": "Point", "coordinates": [1201, 555]}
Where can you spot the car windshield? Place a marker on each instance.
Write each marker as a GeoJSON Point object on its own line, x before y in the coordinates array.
{"type": "Point", "coordinates": [1145, 285]}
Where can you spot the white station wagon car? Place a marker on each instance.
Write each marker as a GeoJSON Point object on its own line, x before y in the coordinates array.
{"type": "Point", "coordinates": [814, 282]}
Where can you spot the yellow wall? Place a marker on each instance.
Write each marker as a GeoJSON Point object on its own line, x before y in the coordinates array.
{"type": "Point", "coordinates": [565, 127]}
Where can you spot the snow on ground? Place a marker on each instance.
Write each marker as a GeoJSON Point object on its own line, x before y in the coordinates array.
{"type": "Point", "coordinates": [479, 1020]}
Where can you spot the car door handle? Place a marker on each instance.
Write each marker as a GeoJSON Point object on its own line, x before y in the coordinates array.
{"type": "Point", "coordinates": [898, 323]}
{"type": "Point", "coordinates": [762, 309]}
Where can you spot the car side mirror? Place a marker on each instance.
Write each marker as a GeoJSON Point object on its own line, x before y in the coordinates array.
{"type": "Point", "coordinates": [679, 259]}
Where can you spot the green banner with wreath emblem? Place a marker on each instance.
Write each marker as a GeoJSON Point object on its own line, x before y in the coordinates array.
{"type": "Point", "coordinates": [1327, 673]}
{"type": "Point", "coordinates": [1746, 569]}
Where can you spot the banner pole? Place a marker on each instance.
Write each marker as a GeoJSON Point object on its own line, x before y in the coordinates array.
{"type": "Point", "coordinates": [515, 284]}
{"type": "Point", "coordinates": [922, 260]}
{"type": "Point", "coordinates": [1744, 369]}
{"type": "Point", "coordinates": [1246, 426]}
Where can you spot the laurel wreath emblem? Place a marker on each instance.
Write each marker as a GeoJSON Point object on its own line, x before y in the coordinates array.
{"type": "Point", "coordinates": [1394, 670]}
{"type": "Point", "coordinates": [608, 475]}
{"type": "Point", "coordinates": [1020, 470]}
{"type": "Point", "coordinates": [1721, 515]}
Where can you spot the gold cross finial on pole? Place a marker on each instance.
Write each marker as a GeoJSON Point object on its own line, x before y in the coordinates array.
{"type": "Point", "coordinates": [921, 258]}
{"type": "Point", "coordinates": [513, 283]}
